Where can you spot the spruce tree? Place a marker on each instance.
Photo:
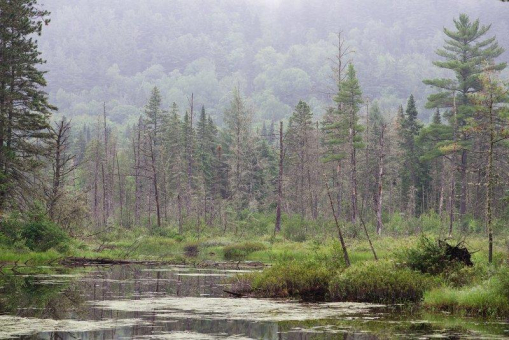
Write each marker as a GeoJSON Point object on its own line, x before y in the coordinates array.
{"type": "Point", "coordinates": [412, 171]}
{"type": "Point", "coordinates": [298, 155]}
{"type": "Point", "coordinates": [346, 130]}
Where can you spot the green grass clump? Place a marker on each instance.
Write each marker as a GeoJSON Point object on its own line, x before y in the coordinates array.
{"type": "Point", "coordinates": [242, 250]}
{"type": "Point", "coordinates": [379, 282]}
{"type": "Point", "coordinates": [307, 280]}
{"type": "Point", "coordinates": [488, 299]}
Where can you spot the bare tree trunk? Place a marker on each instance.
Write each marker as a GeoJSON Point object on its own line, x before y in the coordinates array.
{"type": "Point", "coordinates": [120, 191]}
{"type": "Point", "coordinates": [154, 181]}
{"type": "Point", "coordinates": [489, 189]}
{"type": "Point", "coordinates": [104, 194]}
{"type": "Point", "coordinates": [353, 170]}
{"type": "Point", "coordinates": [442, 188]}
{"type": "Point", "coordinates": [340, 234]}
{"type": "Point", "coordinates": [277, 227]}
{"type": "Point", "coordinates": [137, 169]}
{"type": "Point", "coordinates": [379, 194]}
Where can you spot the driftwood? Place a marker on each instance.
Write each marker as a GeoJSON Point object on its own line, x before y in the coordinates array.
{"type": "Point", "coordinates": [239, 295]}
{"type": "Point", "coordinates": [83, 261]}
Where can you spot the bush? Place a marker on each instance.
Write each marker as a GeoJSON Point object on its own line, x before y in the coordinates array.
{"type": "Point", "coordinates": [378, 282]}
{"type": "Point", "coordinates": [435, 257]}
{"type": "Point", "coordinates": [294, 229]}
{"type": "Point", "coordinates": [37, 234]}
{"type": "Point", "coordinates": [242, 250]}
{"type": "Point", "coordinates": [43, 235]}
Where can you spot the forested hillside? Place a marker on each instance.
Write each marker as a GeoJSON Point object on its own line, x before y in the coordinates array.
{"type": "Point", "coordinates": [276, 52]}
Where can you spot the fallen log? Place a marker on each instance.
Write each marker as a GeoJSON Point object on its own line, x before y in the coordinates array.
{"type": "Point", "coordinates": [83, 261]}
{"type": "Point", "coordinates": [239, 295]}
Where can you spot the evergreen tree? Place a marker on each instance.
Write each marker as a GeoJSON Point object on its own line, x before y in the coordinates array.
{"type": "Point", "coordinates": [206, 147]}
{"type": "Point", "coordinates": [298, 156]}
{"type": "Point", "coordinates": [154, 114]}
{"type": "Point", "coordinates": [412, 181]}
{"type": "Point", "coordinates": [466, 54]}
{"type": "Point", "coordinates": [346, 130]}
{"type": "Point", "coordinates": [24, 107]}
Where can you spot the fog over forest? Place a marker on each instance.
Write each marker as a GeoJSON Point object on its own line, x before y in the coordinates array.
{"type": "Point", "coordinates": [277, 52]}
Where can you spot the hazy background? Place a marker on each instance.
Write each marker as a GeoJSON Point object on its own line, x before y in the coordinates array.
{"type": "Point", "coordinates": [275, 51]}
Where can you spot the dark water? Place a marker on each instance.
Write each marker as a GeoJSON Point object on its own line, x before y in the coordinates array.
{"type": "Point", "coordinates": [133, 302]}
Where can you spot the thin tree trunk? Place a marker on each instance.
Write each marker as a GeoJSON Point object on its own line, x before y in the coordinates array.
{"type": "Point", "coordinates": [379, 195]}
{"type": "Point", "coordinates": [489, 189]}
{"type": "Point", "coordinates": [340, 233]}
{"type": "Point", "coordinates": [277, 227]}
{"type": "Point", "coordinates": [353, 170]}
{"type": "Point", "coordinates": [154, 182]}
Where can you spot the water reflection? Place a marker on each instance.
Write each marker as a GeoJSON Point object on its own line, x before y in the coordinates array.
{"type": "Point", "coordinates": [134, 302]}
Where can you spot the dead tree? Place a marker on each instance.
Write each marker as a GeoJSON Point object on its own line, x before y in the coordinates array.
{"type": "Point", "coordinates": [62, 163]}
{"type": "Point", "coordinates": [277, 227]}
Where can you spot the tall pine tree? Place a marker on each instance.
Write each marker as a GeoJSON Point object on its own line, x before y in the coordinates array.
{"type": "Point", "coordinates": [466, 52]}
{"type": "Point", "coordinates": [24, 107]}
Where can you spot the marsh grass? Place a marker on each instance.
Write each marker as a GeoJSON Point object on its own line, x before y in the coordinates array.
{"type": "Point", "coordinates": [379, 282]}
{"type": "Point", "coordinates": [490, 298]}
{"type": "Point", "coordinates": [241, 250]}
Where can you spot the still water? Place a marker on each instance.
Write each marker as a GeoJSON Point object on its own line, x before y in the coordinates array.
{"type": "Point", "coordinates": [136, 302]}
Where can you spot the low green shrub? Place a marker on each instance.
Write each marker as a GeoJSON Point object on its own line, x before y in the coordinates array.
{"type": "Point", "coordinates": [294, 229]}
{"type": "Point", "coordinates": [43, 235]}
{"type": "Point", "coordinates": [242, 250]}
{"type": "Point", "coordinates": [166, 232]}
{"type": "Point", "coordinates": [37, 234]}
{"type": "Point", "coordinates": [434, 257]}
{"type": "Point", "coordinates": [379, 282]}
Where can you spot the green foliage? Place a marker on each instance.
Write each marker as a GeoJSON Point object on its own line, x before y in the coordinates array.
{"type": "Point", "coordinates": [430, 256]}
{"type": "Point", "coordinates": [294, 229]}
{"type": "Point", "coordinates": [379, 282]}
{"type": "Point", "coordinates": [242, 250]}
{"type": "Point", "coordinates": [43, 235]}
{"type": "Point", "coordinates": [36, 233]}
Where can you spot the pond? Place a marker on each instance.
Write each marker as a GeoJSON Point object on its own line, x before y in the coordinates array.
{"type": "Point", "coordinates": [140, 302]}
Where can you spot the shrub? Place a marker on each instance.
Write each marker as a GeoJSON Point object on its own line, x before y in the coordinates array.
{"type": "Point", "coordinates": [435, 257]}
{"type": "Point", "coordinates": [242, 250]}
{"type": "Point", "coordinates": [42, 235]}
{"type": "Point", "coordinates": [37, 234]}
{"type": "Point", "coordinates": [378, 282]}
{"type": "Point", "coordinates": [294, 229]}
{"type": "Point", "coordinates": [166, 232]}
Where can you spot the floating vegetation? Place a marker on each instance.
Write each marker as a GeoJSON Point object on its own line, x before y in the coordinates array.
{"type": "Point", "coordinates": [237, 309]}
{"type": "Point", "coordinates": [11, 326]}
